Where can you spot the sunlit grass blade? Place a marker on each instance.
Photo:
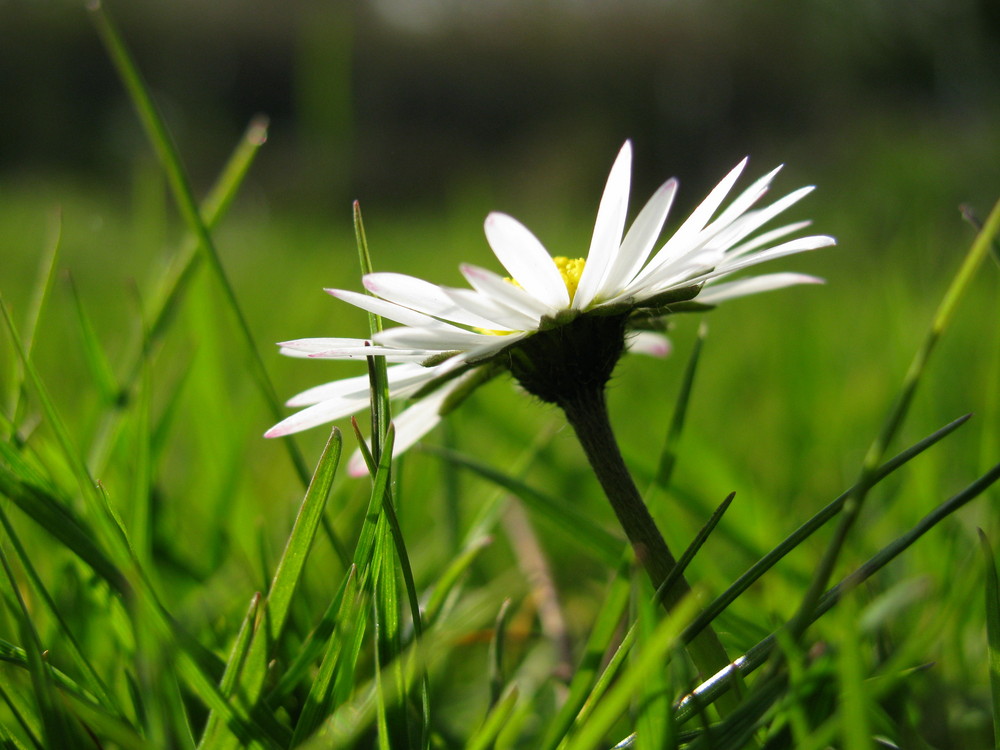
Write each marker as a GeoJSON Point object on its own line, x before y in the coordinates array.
{"type": "Point", "coordinates": [100, 369]}
{"type": "Point", "coordinates": [894, 420]}
{"type": "Point", "coordinates": [389, 512]}
{"type": "Point", "coordinates": [500, 711]}
{"type": "Point", "coordinates": [802, 533]}
{"type": "Point", "coordinates": [36, 306]}
{"type": "Point", "coordinates": [17, 704]}
{"type": "Point", "coordinates": [318, 701]}
{"type": "Point", "coordinates": [141, 516]}
{"type": "Point", "coordinates": [70, 454]}
{"type": "Point", "coordinates": [56, 518]}
{"type": "Point", "coordinates": [654, 720]}
{"type": "Point", "coordinates": [250, 684]}
{"type": "Point", "coordinates": [93, 681]}
{"type": "Point", "coordinates": [57, 730]}
{"type": "Point", "coordinates": [376, 365]}
{"type": "Point", "coordinates": [559, 514]}
{"type": "Point", "coordinates": [992, 589]}
{"type": "Point", "coordinates": [593, 730]}
{"type": "Point", "coordinates": [241, 646]}
{"type": "Point", "coordinates": [318, 641]}
{"type": "Point", "coordinates": [855, 727]}
{"type": "Point", "coordinates": [164, 300]}
{"type": "Point", "coordinates": [162, 143]}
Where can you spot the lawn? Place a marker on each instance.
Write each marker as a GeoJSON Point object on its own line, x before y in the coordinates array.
{"type": "Point", "coordinates": [145, 512]}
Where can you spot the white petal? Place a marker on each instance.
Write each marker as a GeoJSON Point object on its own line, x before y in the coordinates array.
{"type": "Point", "coordinates": [648, 342]}
{"type": "Point", "coordinates": [800, 245]}
{"type": "Point", "coordinates": [386, 309]}
{"type": "Point", "coordinates": [639, 241]}
{"type": "Point", "coordinates": [498, 315]}
{"type": "Point", "coordinates": [324, 411]}
{"type": "Point", "coordinates": [421, 296]}
{"type": "Point", "coordinates": [686, 236]}
{"type": "Point", "coordinates": [391, 354]}
{"type": "Point", "coordinates": [308, 347]}
{"type": "Point", "coordinates": [743, 202]}
{"type": "Point", "coordinates": [608, 228]}
{"type": "Point", "coordinates": [491, 285]}
{"type": "Point", "coordinates": [741, 288]}
{"type": "Point", "coordinates": [756, 219]}
{"type": "Point", "coordinates": [766, 238]}
{"type": "Point", "coordinates": [399, 376]}
{"type": "Point", "coordinates": [526, 260]}
{"type": "Point", "coordinates": [432, 339]}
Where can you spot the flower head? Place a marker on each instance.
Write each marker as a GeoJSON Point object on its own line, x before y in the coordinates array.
{"type": "Point", "coordinates": [557, 324]}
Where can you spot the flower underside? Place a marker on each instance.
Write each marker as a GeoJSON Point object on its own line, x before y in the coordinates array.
{"type": "Point", "coordinates": [560, 364]}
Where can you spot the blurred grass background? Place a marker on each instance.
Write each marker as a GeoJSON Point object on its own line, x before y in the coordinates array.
{"type": "Point", "coordinates": [435, 113]}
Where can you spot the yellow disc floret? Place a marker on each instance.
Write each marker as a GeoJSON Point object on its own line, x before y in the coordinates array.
{"type": "Point", "coordinates": [570, 269]}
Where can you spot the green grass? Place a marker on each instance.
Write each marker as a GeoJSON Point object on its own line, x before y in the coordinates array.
{"type": "Point", "coordinates": [169, 581]}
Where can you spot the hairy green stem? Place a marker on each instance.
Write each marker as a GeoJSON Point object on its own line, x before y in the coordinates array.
{"type": "Point", "coordinates": [587, 412]}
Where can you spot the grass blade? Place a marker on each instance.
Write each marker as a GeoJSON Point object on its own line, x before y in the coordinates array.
{"type": "Point", "coordinates": [495, 721]}
{"type": "Point", "coordinates": [250, 683]}
{"type": "Point", "coordinates": [156, 131]}
{"type": "Point", "coordinates": [942, 318]}
{"type": "Point", "coordinates": [598, 644]}
{"type": "Point", "coordinates": [97, 361]}
{"type": "Point", "coordinates": [497, 675]}
{"type": "Point", "coordinates": [319, 700]}
{"type": "Point", "coordinates": [802, 533]}
{"type": "Point", "coordinates": [654, 658]}
{"type": "Point", "coordinates": [992, 589]}
{"type": "Point", "coordinates": [709, 690]}
{"type": "Point", "coordinates": [36, 306]}
{"type": "Point", "coordinates": [668, 456]}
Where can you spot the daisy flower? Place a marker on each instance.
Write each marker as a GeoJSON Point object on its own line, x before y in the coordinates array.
{"type": "Point", "coordinates": [558, 325]}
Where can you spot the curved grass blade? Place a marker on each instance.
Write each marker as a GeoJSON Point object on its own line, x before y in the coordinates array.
{"type": "Point", "coordinates": [497, 675]}
{"type": "Point", "coordinates": [59, 521]}
{"type": "Point", "coordinates": [447, 581]}
{"type": "Point", "coordinates": [315, 643]}
{"type": "Point", "coordinates": [17, 705]}
{"type": "Point", "coordinates": [93, 354]}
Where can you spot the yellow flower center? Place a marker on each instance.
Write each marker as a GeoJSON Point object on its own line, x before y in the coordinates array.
{"type": "Point", "coordinates": [570, 269]}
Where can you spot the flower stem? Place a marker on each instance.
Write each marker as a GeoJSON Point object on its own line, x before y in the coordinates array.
{"type": "Point", "coordinates": [587, 412]}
